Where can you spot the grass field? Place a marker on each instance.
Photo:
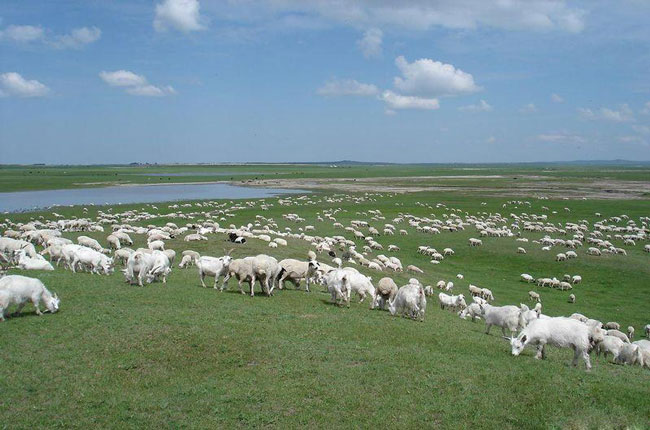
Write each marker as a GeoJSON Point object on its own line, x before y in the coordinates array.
{"type": "Point", "coordinates": [181, 356]}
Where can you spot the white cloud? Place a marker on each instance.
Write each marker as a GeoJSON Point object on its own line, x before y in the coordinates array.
{"type": "Point", "coordinates": [390, 112]}
{"type": "Point", "coordinates": [398, 101]}
{"type": "Point", "coordinates": [428, 78]}
{"type": "Point", "coordinates": [529, 108]}
{"type": "Point", "coordinates": [623, 114]}
{"type": "Point", "coordinates": [562, 138]}
{"type": "Point", "coordinates": [482, 106]}
{"type": "Point", "coordinates": [78, 38]}
{"type": "Point", "coordinates": [347, 87]}
{"type": "Point", "coordinates": [13, 84]}
{"type": "Point", "coordinates": [134, 84]}
{"type": "Point", "coordinates": [641, 129]}
{"type": "Point", "coordinates": [182, 15]}
{"type": "Point", "coordinates": [637, 140]}
{"type": "Point", "coordinates": [370, 44]}
{"type": "Point", "coordinates": [557, 98]}
{"type": "Point", "coordinates": [422, 15]}
{"type": "Point", "coordinates": [22, 33]}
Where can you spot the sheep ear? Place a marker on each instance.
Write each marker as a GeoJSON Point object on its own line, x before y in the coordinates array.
{"type": "Point", "coordinates": [523, 339]}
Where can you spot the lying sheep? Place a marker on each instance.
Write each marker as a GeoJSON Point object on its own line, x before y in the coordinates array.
{"type": "Point", "coordinates": [385, 292]}
{"type": "Point", "coordinates": [409, 301]}
{"type": "Point", "coordinates": [561, 332]}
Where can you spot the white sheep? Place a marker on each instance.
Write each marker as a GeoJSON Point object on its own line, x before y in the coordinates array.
{"type": "Point", "coordinates": [295, 270]}
{"type": "Point", "coordinates": [572, 298]}
{"type": "Point", "coordinates": [212, 266]}
{"type": "Point", "coordinates": [18, 290]}
{"type": "Point", "coordinates": [452, 302]}
{"type": "Point", "coordinates": [619, 334]}
{"type": "Point", "coordinates": [609, 345]}
{"type": "Point", "coordinates": [532, 295]}
{"type": "Point", "coordinates": [576, 279]}
{"type": "Point", "coordinates": [525, 277]}
{"type": "Point", "coordinates": [415, 269]}
{"type": "Point", "coordinates": [385, 292]}
{"type": "Point", "coordinates": [612, 326]}
{"type": "Point", "coordinates": [473, 310]}
{"type": "Point", "coordinates": [630, 332]}
{"type": "Point", "coordinates": [409, 301]}
{"type": "Point", "coordinates": [561, 332]}
{"type": "Point", "coordinates": [629, 354]}
{"type": "Point", "coordinates": [506, 317]}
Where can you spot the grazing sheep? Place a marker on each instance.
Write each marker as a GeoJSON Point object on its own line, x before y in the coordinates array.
{"type": "Point", "coordinates": [28, 263]}
{"type": "Point", "coordinates": [409, 301]}
{"type": "Point", "coordinates": [560, 257]}
{"type": "Point", "coordinates": [619, 334]}
{"type": "Point", "coordinates": [18, 290]}
{"type": "Point", "coordinates": [521, 250]}
{"type": "Point", "coordinates": [646, 330]}
{"type": "Point", "coordinates": [473, 310]}
{"type": "Point", "coordinates": [506, 317]}
{"type": "Point", "coordinates": [474, 290]}
{"type": "Point", "coordinates": [630, 332]}
{"type": "Point", "coordinates": [113, 242]}
{"type": "Point", "coordinates": [561, 332]}
{"type": "Point", "coordinates": [532, 295]}
{"type": "Point", "coordinates": [123, 254]}
{"type": "Point", "coordinates": [527, 315]}
{"type": "Point", "coordinates": [452, 302]}
{"type": "Point", "coordinates": [612, 326]}
{"type": "Point", "coordinates": [572, 298]}
{"type": "Point", "coordinates": [295, 270]}
{"type": "Point", "coordinates": [629, 354]}
{"type": "Point", "coordinates": [487, 294]}
{"type": "Point", "coordinates": [576, 279]}
{"type": "Point", "coordinates": [525, 277]}
{"type": "Point", "coordinates": [609, 345]}
{"type": "Point", "coordinates": [460, 276]}
{"type": "Point", "coordinates": [385, 292]}
{"type": "Point", "coordinates": [412, 268]}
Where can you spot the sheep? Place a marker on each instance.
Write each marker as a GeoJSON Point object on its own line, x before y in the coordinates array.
{"type": "Point", "coordinates": [266, 270]}
{"type": "Point", "coordinates": [16, 289]}
{"type": "Point", "coordinates": [273, 245]}
{"type": "Point", "coordinates": [90, 243]}
{"type": "Point", "coordinates": [619, 334]}
{"type": "Point", "coordinates": [460, 276]}
{"type": "Point", "coordinates": [190, 257]}
{"type": "Point", "coordinates": [452, 302]}
{"type": "Point", "coordinates": [140, 267]}
{"type": "Point", "coordinates": [532, 295]}
{"type": "Point", "coordinates": [521, 250]}
{"type": "Point", "coordinates": [393, 248]}
{"type": "Point", "coordinates": [295, 270]}
{"type": "Point", "coordinates": [473, 310]}
{"type": "Point", "coordinates": [123, 254]}
{"type": "Point", "coordinates": [409, 301]}
{"type": "Point", "coordinates": [385, 292]}
{"type": "Point", "coordinates": [171, 255]}
{"type": "Point", "coordinates": [156, 245]}
{"type": "Point", "coordinates": [242, 270]}
{"type": "Point", "coordinates": [449, 286]}
{"type": "Point", "coordinates": [560, 257]}
{"type": "Point", "coordinates": [527, 315]}
{"type": "Point", "coordinates": [212, 266]}
{"type": "Point", "coordinates": [525, 277]}
{"type": "Point", "coordinates": [415, 269]}
{"type": "Point", "coordinates": [475, 242]}
{"type": "Point", "coordinates": [506, 317]}
{"type": "Point", "coordinates": [629, 354]}
{"type": "Point", "coordinates": [338, 286]}
{"type": "Point", "coordinates": [28, 263]}
{"type": "Point", "coordinates": [561, 332]}
{"type": "Point", "coordinates": [646, 330]}
{"type": "Point", "coordinates": [609, 345]}
{"type": "Point", "coordinates": [360, 284]}
{"type": "Point", "coordinates": [612, 326]}
{"type": "Point", "coordinates": [630, 332]}
{"type": "Point", "coordinates": [487, 294]}
{"type": "Point", "coordinates": [572, 298]}
{"type": "Point", "coordinates": [194, 237]}
{"type": "Point", "coordinates": [576, 279]}
{"type": "Point", "coordinates": [113, 242]}
{"type": "Point", "coordinates": [448, 251]}
{"type": "Point", "coordinates": [8, 246]}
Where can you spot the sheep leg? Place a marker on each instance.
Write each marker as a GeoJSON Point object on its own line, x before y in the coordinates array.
{"type": "Point", "coordinates": [216, 278]}
{"type": "Point", "coordinates": [225, 282]}
{"type": "Point", "coordinates": [487, 328]}
{"type": "Point", "coordinates": [585, 357]}
{"type": "Point", "coordinates": [202, 275]}
{"type": "Point", "coordinates": [18, 309]}
{"type": "Point", "coordinates": [576, 354]}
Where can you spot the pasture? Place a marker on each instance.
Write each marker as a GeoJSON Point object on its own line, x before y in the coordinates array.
{"type": "Point", "coordinates": [179, 355]}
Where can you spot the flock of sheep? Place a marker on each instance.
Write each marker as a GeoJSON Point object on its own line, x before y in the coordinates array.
{"type": "Point", "coordinates": [356, 246]}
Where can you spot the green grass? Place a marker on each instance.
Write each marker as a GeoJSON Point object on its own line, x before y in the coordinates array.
{"type": "Point", "coordinates": [178, 355]}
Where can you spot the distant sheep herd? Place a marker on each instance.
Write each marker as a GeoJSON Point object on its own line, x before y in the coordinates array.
{"type": "Point", "coordinates": [521, 325]}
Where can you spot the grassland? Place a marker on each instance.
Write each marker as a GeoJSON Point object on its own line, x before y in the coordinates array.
{"type": "Point", "coordinates": [180, 356]}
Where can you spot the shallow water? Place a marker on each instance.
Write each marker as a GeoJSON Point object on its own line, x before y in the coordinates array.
{"type": "Point", "coordinates": [31, 200]}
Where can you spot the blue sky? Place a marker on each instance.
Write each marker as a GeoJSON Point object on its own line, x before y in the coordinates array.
{"type": "Point", "coordinates": [285, 80]}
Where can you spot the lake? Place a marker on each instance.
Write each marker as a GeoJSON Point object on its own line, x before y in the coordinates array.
{"type": "Point", "coordinates": [31, 200]}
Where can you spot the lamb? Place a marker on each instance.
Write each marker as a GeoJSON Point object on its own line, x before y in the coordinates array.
{"type": "Point", "coordinates": [16, 289]}
{"type": "Point", "coordinates": [212, 266]}
{"type": "Point", "coordinates": [532, 295]}
{"type": "Point", "coordinates": [385, 292]}
{"type": "Point", "coordinates": [339, 286]}
{"type": "Point", "coordinates": [295, 270]}
{"type": "Point", "coordinates": [576, 279]}
{"type": "Point", "coordinates": [619, 334]}
{"type": "Point", "coordinates": [193, 257]}
{"type": "Point", "coordinates": [525, 277]}
{"type": "Point", "coordinates": [506, 317]}
{"type": "Point", "coordinates": [113, 242]}
{"type": "Point", "coordinates": [360, 284]}
{"type": "Point", "coordinates": [452, 302]}
{"type": "Point", "coordinates": [487, 294]}
{"type": "Point", "coordinates": [612, 326]}
{"type": "Point", "coordinates": [473, 311]}
{"type": "Point", "coordinates": [572, 298]}
{"type": "Point", "coordinates": [527, 315]}
{"type": "Point", "coordinates": [630, 332]}
{"type": "Point", "coordinates": [561, 332]}
{"type": "Point", "coordinates": [609, 345]}
{"type": "Point", "coordinates": [629, 354]}
{"type": "Point", "coordinates": [415, 269]}
{"type": "Point", "coordinates": [409, 301]}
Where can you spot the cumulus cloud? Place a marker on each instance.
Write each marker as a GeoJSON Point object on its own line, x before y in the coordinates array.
{"type": "Point", "coordinates": [134, 84]}
{"type": "Point", "coordinates": [370, 44]}
{"type": "Point", "coordinates": [623, 114]}
{"type": "Point", "coordinates": [347, 87]}
{"type": "Point", "coordinates": [182, 15]}
{"type": "Point", "coordinates": [13, 84]}
{"type": "Point", "coordinates": [529, 108]}
{"type": "Point", "coordinates": [557, 98]}
{"type": "Point", "coordinates": [398, 101]}
{"type": "Point", "coordinates": [22, 33]}
{"type": "Point", "coordinates": [562, 138]}
{"type": "Point", "coordinates": [482, 106]}
{"type": "Point", "coordinates": [428, 78]}
{"type": "Point", "coordinates": [78, 38]}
